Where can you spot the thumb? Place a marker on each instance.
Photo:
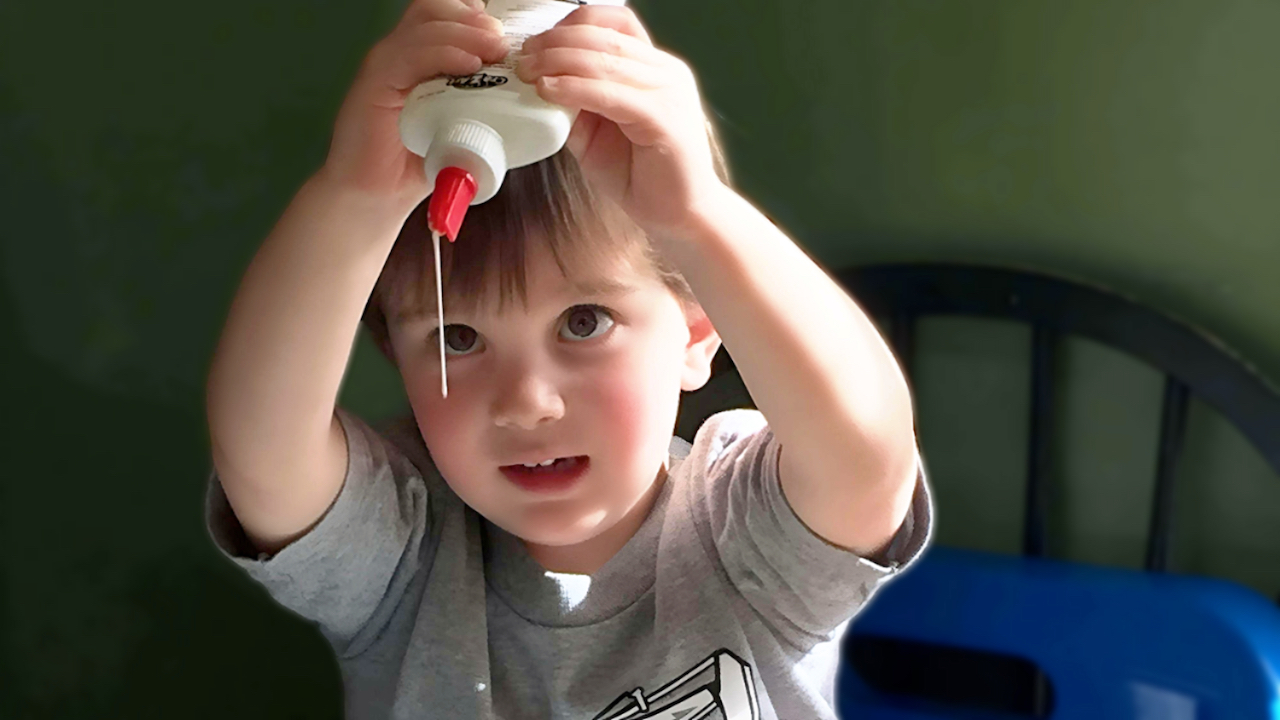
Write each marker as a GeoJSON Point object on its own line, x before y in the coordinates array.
{"type": "Point", "coordinates": [584, 128]}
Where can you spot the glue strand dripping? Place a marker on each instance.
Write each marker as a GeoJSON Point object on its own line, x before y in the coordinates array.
{"type": "Point", "coordinates": [455, 188]}
{"type": "Point", "coordinates": [444, 380]}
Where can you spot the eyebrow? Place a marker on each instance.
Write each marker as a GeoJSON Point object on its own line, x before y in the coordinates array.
{"type": "Point", "coordinates": [603, 286]}
{"type": "Point", "coordinates": [592, 288]}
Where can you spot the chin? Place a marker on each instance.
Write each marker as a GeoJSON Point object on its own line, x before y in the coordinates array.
{"type": "Point", "coordinates": [553, 532]}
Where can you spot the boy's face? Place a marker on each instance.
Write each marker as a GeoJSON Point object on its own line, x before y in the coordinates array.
{"type": "Point", "coordinates": [575, 373]}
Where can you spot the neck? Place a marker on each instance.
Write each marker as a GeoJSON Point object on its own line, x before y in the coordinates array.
{"type": "Point", "coordinates": [587, 557]}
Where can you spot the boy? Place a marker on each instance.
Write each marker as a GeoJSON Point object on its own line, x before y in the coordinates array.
{"type": "Point", "coordinates": [640, 576]}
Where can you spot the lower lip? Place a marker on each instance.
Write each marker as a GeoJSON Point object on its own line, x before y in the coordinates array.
{"type": "Point", "coordinates": [561, 476]}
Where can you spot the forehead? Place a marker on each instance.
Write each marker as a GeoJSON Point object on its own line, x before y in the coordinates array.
{"type": "Point", "coordinates": [615, 271]}
{"type": "Point", "coordinates": [610, 274]}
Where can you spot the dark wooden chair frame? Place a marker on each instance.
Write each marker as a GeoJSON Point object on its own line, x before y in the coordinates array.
{"type": "Point", "coordinates": [1192, 361]}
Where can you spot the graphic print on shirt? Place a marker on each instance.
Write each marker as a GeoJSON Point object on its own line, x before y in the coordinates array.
{"type": "Point", "coordinates": [722, 687]}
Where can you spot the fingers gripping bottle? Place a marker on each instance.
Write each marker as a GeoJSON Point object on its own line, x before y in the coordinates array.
{"type": "Point", "coordinates": [471, 129]}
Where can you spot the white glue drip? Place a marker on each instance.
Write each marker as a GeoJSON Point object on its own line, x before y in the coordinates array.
{"type": "Point", "coordinates": [444, 380]}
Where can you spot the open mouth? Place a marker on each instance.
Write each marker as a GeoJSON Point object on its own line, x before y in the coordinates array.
{"type": "Point", "coordinates": [558, 475]}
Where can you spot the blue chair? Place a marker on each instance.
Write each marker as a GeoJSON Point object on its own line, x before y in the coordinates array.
{"type": "Point", "coordinates": [968, 634]}
{"type": "Point", "coordinates": [1092, 643]}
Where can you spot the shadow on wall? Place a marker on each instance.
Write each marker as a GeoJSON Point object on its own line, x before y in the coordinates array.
{"type": "Point", "coordinates": [116, 603]}
{"type": "Point", "coordinates": [113, 602]}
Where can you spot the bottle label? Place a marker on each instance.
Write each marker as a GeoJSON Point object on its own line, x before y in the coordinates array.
{"type": "Point", "coordinates": [520, 19]}
{"type": "Point", "coordinates": [523, 18]}
{"type": "Point", "coordinates": [478, 81]}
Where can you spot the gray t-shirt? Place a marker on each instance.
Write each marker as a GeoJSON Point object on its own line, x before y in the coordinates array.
{"type": "Point", "coordinates": [723, 599]}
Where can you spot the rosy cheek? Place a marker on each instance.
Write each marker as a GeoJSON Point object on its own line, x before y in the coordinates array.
{"type": "Point", "coordinates": [438, 419]}
{"type": "Point", "coordinates": [622, 406]}
{"type": "Point", "coordinates": [442, 427]}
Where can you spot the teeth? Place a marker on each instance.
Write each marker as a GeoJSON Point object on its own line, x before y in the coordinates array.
{"type": "Point", "coordinates": [541, 464]}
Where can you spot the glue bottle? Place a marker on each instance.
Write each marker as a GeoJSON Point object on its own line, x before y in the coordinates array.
{"type": "Point", "coordinates": [471, 129]}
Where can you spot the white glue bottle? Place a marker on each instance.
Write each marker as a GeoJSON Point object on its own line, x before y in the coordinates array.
{"type": "Point", "coordinates": [471, 129]}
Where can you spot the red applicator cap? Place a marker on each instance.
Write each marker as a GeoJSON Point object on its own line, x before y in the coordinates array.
{"type": "Point", "coordinates": [455, 189]}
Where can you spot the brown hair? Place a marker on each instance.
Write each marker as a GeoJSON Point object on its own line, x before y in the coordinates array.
{"type": "Point", "coordinates": [550, 200]}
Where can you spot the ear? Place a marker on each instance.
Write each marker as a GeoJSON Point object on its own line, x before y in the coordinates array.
{"type": "Point", "coordinates": [704, 341]}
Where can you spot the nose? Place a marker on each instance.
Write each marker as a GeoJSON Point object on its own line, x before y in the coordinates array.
{"type": "Point", "coordinates": [525, 398]}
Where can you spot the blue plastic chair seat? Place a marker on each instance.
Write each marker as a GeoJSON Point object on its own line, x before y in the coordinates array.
{"type": "Point", "coordinates": [1113, 643]}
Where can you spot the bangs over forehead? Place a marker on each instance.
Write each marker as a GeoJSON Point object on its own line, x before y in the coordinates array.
{"type": "Point", "coordinates": [548, 202]}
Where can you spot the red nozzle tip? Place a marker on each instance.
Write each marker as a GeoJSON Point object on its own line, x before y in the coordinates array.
{"type": "Point", "coordinates": [455, 189]}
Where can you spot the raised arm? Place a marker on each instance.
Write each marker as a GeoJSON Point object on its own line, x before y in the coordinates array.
{"type": "Point", "coordinates": [277, 445]}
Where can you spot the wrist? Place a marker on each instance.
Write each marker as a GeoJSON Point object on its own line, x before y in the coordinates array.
{"type": "Point", "coordinates": [397, 207]}
{"type": "Point", "coordinates": [702, 216]}
{"type": "Point", "coordinates": [339, 219]}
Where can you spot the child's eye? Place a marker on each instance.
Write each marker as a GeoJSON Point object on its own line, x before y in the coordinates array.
{"type": "Point", "coordinates": [583, 323]}
{"type": "Point", "coordinates": [458, 339]}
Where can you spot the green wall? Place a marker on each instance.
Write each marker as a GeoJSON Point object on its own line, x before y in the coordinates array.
{"type": "Point", "coordinates": [1135, 145]}
{"type": "Point", "coordinates": [146, 148]}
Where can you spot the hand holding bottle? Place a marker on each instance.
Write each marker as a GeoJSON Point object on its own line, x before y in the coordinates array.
{"type": "Point", "coordinates": [433, 38]}
{"type": "Point", "coordinates": [640, 136]}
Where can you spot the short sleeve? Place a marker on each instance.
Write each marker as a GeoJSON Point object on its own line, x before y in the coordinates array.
{"type": "Point", "coordinates": [347, 573]}
{"type": "Point", "coordinates": [804, 587]}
